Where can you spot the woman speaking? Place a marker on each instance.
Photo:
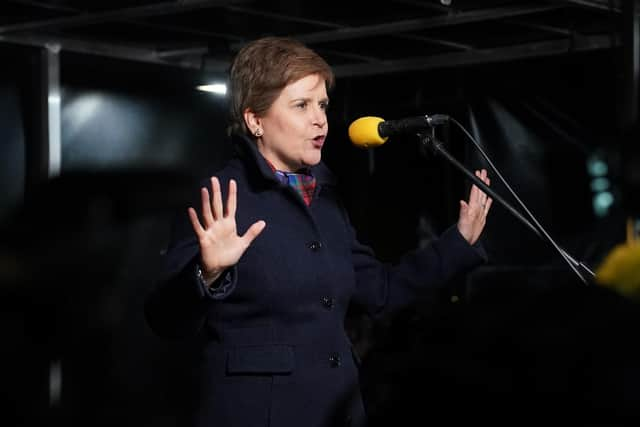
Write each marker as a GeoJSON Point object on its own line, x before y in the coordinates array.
{"type": "Point", "coordinates": [262, 267]}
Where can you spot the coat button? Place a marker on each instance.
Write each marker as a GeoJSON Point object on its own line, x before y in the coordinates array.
{"type": "Point", "coordinates": [314, 246]}
{"type": "Point", "coordinates": [334, 360]}
{"type": "Point", "coordinates": [327, 302]}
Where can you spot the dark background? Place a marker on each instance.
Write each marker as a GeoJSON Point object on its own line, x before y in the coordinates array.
{"type": "Point", "coordinates": [512, 341]}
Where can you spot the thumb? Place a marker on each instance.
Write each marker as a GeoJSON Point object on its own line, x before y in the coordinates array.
{"type": "Point", "coordinates": [253, 232]}
{"type": "Point", "coordinates": [463, 206]}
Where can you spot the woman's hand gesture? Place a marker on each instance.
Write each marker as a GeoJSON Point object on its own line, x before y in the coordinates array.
{"type": "Point", "coordinates": [220, 245]}
{"type": "Point", "coordinates": [473, 215]}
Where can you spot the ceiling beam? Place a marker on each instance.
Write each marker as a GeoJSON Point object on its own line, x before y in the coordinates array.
{"type": "Point", "coordinates": [350, 33]}
{"type": "Point", "coordinates": [281, 17]}
{"type": "Point", "coordinates": [178, 29]}
{"type": "Point", "coordinates": [598, 4]}
{"type": "Point", "coordinates": [100, 49]}
{"type": "Point", "coordinates": [333, 26]}
{"type": "Point", "coordinates": [163, 8]}
{"type": "Point", "coordinates": [42, 5]}
{"type": "Point", "coordinates": [520, 23]}
{"type": "Point", "coordinates": [191, 50]}
{"type": "Point", "coordinates": [540, 27]}
{"type": "Point", "coordinates": [424, 5]}
{"type": "Point", "coordinates": [144, 24]}
{"type": "Point", "coordinates": [366, 68]}
{"type": "Point", "coordinates": [482, 56]}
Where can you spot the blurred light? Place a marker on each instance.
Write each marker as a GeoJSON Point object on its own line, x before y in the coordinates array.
{"type": "Point", "coordinates": [599, 184]}
{"type": "Point", "coordinates": [217, 88]}
{"type": "Point", "coordinates": [55, 383]}
{"type": "Point", "coordinates": [79, 112]}
{"type": "Point", "coordinates": [597, 167]}
{"type": "Point", "coordinates": [602, 202]}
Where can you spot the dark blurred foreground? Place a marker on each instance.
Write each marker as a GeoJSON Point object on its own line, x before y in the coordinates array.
{"type": "Point", "coordinates": [520, 347]}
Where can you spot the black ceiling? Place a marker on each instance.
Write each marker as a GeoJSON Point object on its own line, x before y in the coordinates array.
{"type": "Point", "coordinates": [357, 37]}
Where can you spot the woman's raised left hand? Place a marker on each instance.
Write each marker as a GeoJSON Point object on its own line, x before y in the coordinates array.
{"type": "Point", "coordinates": [473, 214]}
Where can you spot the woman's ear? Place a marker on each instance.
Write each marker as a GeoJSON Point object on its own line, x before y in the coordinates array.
{"type": "Point", "coordinates": [252, 121]}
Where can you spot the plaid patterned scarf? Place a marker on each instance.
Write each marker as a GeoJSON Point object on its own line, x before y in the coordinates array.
{"type": "Point", "coordinates": [302, 182]}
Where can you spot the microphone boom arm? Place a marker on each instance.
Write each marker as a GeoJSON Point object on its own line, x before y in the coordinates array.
{"type": "Point", "coordinates": [437, 147]}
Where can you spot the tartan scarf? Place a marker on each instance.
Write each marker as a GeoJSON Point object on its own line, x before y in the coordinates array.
{"type": "Point", "coordinates": [303, 182]}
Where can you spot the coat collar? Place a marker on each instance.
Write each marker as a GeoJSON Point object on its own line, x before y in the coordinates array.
{"type": "Point", "coordinates": [258, 167]}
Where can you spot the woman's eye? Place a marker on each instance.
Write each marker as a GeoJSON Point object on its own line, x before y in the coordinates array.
{"type": "Point", "coordinates": [301, 105]}
{"type": "Point", "coordinates": [324, 105]}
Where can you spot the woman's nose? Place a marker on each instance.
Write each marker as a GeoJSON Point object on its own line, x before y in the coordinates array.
{"type": "Point", "coordinates": [319, 117]}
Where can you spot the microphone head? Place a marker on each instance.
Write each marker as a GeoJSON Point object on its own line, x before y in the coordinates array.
{"type": "Point", "coordinates": [364, 132]}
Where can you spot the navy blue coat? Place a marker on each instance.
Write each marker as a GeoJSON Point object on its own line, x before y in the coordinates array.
{"type": "Point", "coordinates": [272, 342]}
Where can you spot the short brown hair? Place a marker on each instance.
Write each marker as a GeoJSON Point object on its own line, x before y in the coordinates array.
{"type": "Point", "coordinates": [262, 68]}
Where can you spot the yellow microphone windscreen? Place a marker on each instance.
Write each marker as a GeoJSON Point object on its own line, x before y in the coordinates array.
{"type": "Point", "coordinates": [364, 132]}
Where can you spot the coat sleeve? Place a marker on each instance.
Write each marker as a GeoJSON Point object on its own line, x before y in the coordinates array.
{"type": "Point", "coordinates": [178, 304]}
{"type": "Point", "coordinates": [381, 287]}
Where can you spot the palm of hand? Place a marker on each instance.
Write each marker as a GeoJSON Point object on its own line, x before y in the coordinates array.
{"type": "Point", "coordinates": [220, 245]}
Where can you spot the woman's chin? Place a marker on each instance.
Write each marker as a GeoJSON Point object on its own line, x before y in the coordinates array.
{"type": "Point", "coordinates": [312, 160]}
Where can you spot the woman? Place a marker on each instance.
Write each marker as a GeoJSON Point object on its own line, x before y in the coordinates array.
{"type": "Point", "coordinates": [263, 281]}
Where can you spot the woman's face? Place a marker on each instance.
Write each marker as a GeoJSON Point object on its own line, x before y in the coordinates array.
{"type": "Point", "coordinates": [295, 126]}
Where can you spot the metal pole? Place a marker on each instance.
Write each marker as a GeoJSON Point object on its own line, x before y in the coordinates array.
{"type": "Point", "coordinates": [631, 63]}
{"type": "Point", "coordinates": [53, 106]}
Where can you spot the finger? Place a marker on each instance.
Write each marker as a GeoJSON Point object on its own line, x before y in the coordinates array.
{"type": "Point", "coordinates": [478, 194]}
{"type": "Point", "coordinates": [216, 198]}
{"type": "Point", "coordinates": [475, 201]}
{"type": "Point", "coordinates": [253, 232]}
{"type": "Point", "coordinates": [206, 208]}
{"type": "Point", "coordinates": [232, 199]}
{"type": "Point", "coordinates": [473, 192]}
{"type": "Point", "coordinates": [488, 182]}
{"type": "Point", "coordinates": [487, 205]}
{"type": "Point", "coordinates": [195, 222]}
{"type": "Point", "coordinates": [483, 177]}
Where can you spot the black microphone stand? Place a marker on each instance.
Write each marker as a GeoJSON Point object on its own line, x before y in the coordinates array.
{"type": "Point", "coordinates": [436, 146]}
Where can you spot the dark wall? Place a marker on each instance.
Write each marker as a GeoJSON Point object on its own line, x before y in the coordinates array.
{"type": "Point", "coordinates": [80, 253]}
{"type": "Point", "coordinates": [538, 120]}
{"type": "Point", "coordinates": [12, 170]}
{"type": "Point", "coordinates": [134, 136]}
{"type": "Point", "coordinates": [17, 88]}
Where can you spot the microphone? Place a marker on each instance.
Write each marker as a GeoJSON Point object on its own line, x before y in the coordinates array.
{"type": "Point", "coordinates": [369, 131]}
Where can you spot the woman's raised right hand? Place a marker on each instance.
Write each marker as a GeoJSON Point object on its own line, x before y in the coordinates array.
{"type": "Point", "coordinates": [220, 245]}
